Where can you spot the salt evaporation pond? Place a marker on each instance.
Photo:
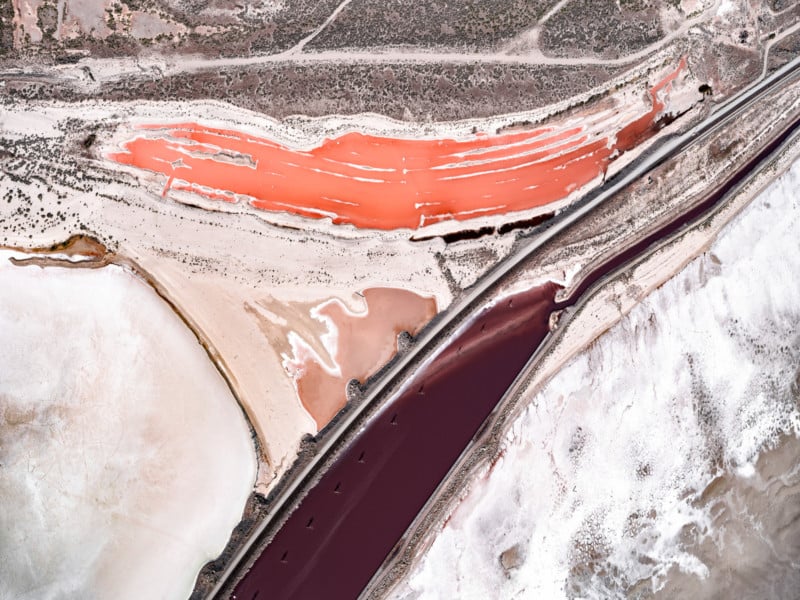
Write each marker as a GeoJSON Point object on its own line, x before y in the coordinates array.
{"type": "Point", "coordinates": [664, 461]}
{"type": "Point", "coordinates": [388, 183]}
{"type": "Point", "coordinates": [125, 461]}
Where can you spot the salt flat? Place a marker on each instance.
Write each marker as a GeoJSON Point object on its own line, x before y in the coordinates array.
{"type": "Point", "coordinates": [125, 460]}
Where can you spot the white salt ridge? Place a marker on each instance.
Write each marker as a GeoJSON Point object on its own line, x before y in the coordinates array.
{"type": "Point", "coordinates": [125, 461]}
{"type": "Point", "coordinates": [600, 484]}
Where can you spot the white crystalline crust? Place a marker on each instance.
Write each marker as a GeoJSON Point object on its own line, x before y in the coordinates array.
{"type": "Point", "coordinates": [603, 472]}
{"type": "Point", "coordinates": [124, 460]}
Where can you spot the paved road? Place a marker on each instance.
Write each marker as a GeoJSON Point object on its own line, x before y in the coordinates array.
{"type": "Point", "coordinates": [429, 338]}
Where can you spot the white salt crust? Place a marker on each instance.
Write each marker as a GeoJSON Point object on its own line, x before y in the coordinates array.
{"type": "Point", "coordinates": [125, 461]}
{"type": "Point", "coordinates": [600, 485]}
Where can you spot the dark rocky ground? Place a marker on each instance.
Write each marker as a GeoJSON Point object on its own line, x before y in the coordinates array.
{"type": "Point", "coordinates": [221, 28]}
{"type": "Point", "coordinates": [605, 28]}
{"type": "Point", "coordinates": [403, 91]}
{"type": "Point", "coordinates": [403, 86]}
{"type": "Point", "coordinates": [464, 24]}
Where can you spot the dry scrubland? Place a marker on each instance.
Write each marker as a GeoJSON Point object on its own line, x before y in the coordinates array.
{"type": "Point", "coordinates": [361, 59]}
{"type": "Point", "coordinates": [219, 28]}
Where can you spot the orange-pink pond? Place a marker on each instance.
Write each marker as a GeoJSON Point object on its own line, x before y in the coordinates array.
{"type": "Point", "coordinates": [365, 342]}
{"type": "Point", "coordinates": [384, 182]}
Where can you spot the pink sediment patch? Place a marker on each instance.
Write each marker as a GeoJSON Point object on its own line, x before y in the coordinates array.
{"type": "Point", "coordinates": [387, 183]}
{"type": "Point", "coordinates": [365, 342]}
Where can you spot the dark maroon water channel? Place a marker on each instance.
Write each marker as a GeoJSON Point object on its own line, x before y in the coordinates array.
{"type": "Point", "coordinates": [340, 534]}
{"type": "Point", "coordinates": [343, 529]}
